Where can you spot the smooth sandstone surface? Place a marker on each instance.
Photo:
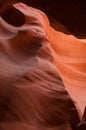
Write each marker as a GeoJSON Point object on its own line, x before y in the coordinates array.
{"type": "Point", "coordinates": [63, 54]}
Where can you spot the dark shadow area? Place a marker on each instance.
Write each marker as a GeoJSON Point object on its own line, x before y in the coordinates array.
{"type": "Point", "coordinates": [72, 14]}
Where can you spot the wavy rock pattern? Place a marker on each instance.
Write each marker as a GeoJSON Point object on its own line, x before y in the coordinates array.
{"type": "Point", "coordinates": [37, 63]}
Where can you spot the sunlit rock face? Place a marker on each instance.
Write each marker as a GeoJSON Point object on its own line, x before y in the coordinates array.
{"type": "Point", "coordinates": [68, 43]}
{"type": "Point", "coordinates": [37, 63]}
{"type": "Point", "coordinates": [70, 60]}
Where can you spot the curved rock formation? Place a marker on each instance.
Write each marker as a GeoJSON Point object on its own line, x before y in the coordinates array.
{"type": "Point", "coordinates": [34, 59]}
